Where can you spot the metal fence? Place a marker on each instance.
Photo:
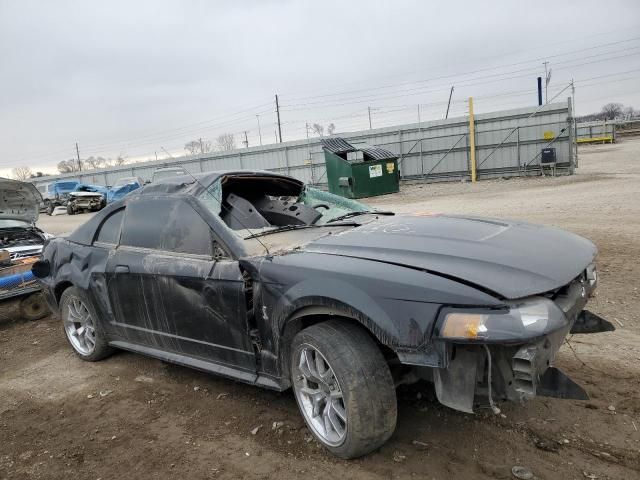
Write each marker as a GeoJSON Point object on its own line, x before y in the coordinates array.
{"type": "Point", "coordinates": [596, 132]}
{"type": "Point", "coordinates": [508, 143]}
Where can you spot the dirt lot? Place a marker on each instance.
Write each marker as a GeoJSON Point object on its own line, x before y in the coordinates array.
{"type": "Point", "coordinates": [141, 418]}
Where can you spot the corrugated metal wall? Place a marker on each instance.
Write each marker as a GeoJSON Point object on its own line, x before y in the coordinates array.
{"type": "Point", "coordinates": [507, 143]}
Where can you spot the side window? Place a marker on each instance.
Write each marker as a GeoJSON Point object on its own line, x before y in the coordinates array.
{"type": "Point", "coordinates": [166, 224]}
{"type": "Point", "coordinates": [110, 230]}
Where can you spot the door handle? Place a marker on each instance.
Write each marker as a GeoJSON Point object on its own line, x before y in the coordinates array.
{"type": "Point", "coordinates": [121, 269]}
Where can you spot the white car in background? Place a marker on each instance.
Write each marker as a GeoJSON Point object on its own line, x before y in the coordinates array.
{"type": "Point", "coordinates": [21, 244]}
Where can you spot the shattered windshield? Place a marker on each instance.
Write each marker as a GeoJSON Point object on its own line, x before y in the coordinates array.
{"type": "Point", "coordinates": [254, 207]}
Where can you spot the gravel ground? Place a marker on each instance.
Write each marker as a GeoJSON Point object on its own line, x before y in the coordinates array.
{"type": "Point", "coordinates": [141, 418]}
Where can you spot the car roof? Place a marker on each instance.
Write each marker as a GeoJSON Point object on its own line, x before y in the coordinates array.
{"type": "Point", "coordinates": [192, 184]}
{"type": "Point", "coordinates": [195, 183]}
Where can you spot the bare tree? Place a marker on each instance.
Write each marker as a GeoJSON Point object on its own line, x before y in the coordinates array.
{"type": "Point", "coordinates": [21, 173]}
{"type": "Point", "coordinates": [95, 162]}
{"type": "Point", "coordinates": [628, 113]}
{"type": "Point", "coordinates": [198, 146]}
{"type": "Point", "coordinates": [68, 166]}
{"type": "Point", "coordinates": [225, 142]}
{"type": "Point", "coordinates": [192, 147]}
{"type": "Point", "coordinates": [611, 111]}
{"type": "Point", "coordinates": [120, 160]}
{"type": "Point", "coordinates": [318, 129]}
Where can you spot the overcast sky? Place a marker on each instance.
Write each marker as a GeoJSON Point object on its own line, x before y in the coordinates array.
{"type": "Point", "coordinates": [135, 77]}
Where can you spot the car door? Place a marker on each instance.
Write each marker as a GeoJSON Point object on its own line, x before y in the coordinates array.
{"type": "Point", "coordinates": [168, 292]}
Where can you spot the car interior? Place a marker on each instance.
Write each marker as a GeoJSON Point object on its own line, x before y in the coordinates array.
{"type": "Point", "coordinates": [263, 202]}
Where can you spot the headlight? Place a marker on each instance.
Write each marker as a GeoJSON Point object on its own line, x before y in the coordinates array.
{"type": "Point", "coordinates": [524, 320]}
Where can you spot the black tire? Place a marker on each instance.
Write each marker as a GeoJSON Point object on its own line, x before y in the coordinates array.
{"type": "Point", "coordinates": [34, 307]}
{"type": "Point", "coordinates": [363, 377]}
{"type": "Point", "coordinates": [70, 210]}
{"type": "Point", "coordinates": [49, 207]}
{"type": "Point", "coordinates": [101, 348]}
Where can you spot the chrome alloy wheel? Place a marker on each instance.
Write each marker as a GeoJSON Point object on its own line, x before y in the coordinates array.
{"type": "Point", "coordinates": [320, 397]}
{"type": "Point", "coordinates": [79, 327]}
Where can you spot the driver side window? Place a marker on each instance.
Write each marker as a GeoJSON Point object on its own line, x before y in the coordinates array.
{"type": "Point", "coordinates": [166, 224]}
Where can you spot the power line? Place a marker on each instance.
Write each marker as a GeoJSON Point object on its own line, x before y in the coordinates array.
{"type": "Point", "coordinates": [484, 69]}
{"type": "Point", "coordinates": [461, 83]}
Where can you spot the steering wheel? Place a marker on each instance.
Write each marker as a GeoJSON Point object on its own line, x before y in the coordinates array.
{"type": "Point", "coordinates": [321, 205]}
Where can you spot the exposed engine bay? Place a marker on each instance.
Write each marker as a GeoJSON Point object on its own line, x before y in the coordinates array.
{"type": "Point", "coordinates": [19, 249]}
{"type": "Point", "coordinates": [20, 237]}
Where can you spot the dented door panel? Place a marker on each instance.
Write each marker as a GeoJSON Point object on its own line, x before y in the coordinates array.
{"type": "Point", "coordinates": [190, 306]}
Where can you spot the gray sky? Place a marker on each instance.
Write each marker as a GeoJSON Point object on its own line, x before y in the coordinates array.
{"type": "Point", "coordinates": [133, 77]}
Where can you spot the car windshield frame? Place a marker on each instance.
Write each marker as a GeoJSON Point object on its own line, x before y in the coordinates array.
{"type": "Point", "coordinates": [211, 197]}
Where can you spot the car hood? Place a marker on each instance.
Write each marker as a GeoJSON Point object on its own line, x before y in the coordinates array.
{"type": "Point", "coordinates": [510, 259]}
{"type": "Point", "coordinates": [19, 200]}
{"type": "Point", "coordinates": [85, 194]}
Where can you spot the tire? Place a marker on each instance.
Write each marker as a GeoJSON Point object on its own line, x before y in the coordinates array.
{"type": "Point", "coordinates": [70, 210]}
{"type": "Point", "coordinates": [90, 345]}
{"type": "Point", "coordinates": [359, 386]}
{"type": "Point", "coordinates": [49, 207]}
{"type": "Point", "coordinates": [34, 307]}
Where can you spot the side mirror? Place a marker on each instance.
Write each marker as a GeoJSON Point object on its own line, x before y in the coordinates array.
{"type": "Point", "coordinates": [41, 269]}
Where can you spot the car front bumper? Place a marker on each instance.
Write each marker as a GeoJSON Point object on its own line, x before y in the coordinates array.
{"type": "Point", "coordinates": [481, 372]}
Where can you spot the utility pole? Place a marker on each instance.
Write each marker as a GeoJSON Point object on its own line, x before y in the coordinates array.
{"type": "Point", "coordinates": [418, 115]}
{"type": "Point", "coordinates": [201, 146]}
{"type": "Point", "coordinates": [156, 156]}
{"type": "Point", "coordinates": [472, 141]}
{"type": "Point", "coordinates": [246, 140]}
{"type": "Point", "coordinates": [78, 154]}
{"type": "Point", "coordinates": [306, 127]}
{"type": "Point", "coordinates": [449, 103]}
{"type": "Point", "coordinates": [547, 76]}
{"type": "Point", "coordinates": [369, 110]}
{"type": "Point", "coordinates": [278, 114]}
{"type": "Point", "coordinates": [259, 131]}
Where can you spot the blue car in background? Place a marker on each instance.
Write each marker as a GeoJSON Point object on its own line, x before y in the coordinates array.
{"type": "Point", "coordinates": [56, 194]}
{"type": "Point", "coordinates": [122, 187]}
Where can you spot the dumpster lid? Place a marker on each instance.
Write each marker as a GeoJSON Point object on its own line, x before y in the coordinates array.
{"type": "Point", "coordinates": [341, 147]}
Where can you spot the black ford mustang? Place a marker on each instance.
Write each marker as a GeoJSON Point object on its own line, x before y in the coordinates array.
{"type": "Point", "coordinates": [260, 278]}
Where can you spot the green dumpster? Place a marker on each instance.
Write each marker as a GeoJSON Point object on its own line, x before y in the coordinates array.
{"type": "Point", "coordinates": [363, 171]}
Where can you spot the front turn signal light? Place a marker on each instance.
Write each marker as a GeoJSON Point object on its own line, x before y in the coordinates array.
{"type": "Point", "coordinates": [464, 325]}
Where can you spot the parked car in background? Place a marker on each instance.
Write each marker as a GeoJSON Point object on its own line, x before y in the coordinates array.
{"type": "Point", "coordinates": [88, 198]}
{"type": "Point", "coordinates": [166, 172]}
{"type": "Point", "coordinates": [20, 246]}
{"type": "Point", "coordinates": [258, 277]}
{"type": "Point", "coordinates": [122, 187]}
{"type": "Point", "coordinates": [55, 194]}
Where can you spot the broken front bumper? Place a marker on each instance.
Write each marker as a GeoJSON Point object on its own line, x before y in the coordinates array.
{"type": "Point", "coordinates": [494, 366]}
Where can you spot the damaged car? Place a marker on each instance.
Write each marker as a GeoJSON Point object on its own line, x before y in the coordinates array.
{"type": "Point", "coordinates": [86, 198]}
{"type": "Point", "coordinates": [20, 246]}
{"type": "Point", "coordinates": [258, 277]}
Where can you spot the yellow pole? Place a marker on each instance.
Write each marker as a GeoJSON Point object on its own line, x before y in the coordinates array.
{"type": "Point", "coordinates": [472, 141]}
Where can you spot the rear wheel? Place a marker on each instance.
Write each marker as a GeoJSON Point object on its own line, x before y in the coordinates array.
{"type": "Point", "coordinates": [81, 326]}
{"type": "Point", "coordinates": [343, 387]}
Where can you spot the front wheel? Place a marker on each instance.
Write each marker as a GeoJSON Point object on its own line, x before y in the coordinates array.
{"type": "Point", "coordinates": [49, 208]}
{"type": "Point", "coordinates": [82, 327]}
{"type": "Point", "coordinates": [343, 387]}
